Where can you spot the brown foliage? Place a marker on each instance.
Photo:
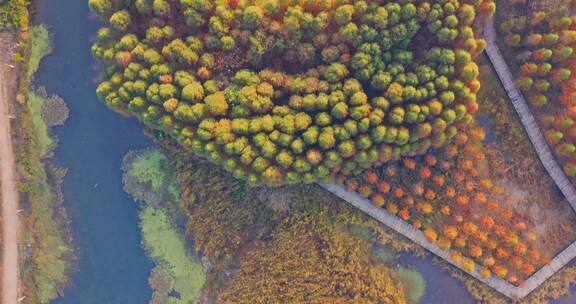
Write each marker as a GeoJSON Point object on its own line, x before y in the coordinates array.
{"type": "Point", "coordinates": [310, 260]}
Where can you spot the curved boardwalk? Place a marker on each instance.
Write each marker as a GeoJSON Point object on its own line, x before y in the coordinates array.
{"type": "Point", "coordinates": [544, 154]}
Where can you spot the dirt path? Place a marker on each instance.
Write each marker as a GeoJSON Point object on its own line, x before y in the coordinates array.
{"type": "Point", "coordinates": [9, 195]}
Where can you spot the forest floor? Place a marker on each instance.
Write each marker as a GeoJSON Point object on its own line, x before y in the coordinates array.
{"type": "Point", "coordinates": [8, 189]}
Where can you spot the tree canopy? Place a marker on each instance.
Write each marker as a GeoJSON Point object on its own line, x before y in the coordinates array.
{"type": "Point", "coordinates": [299, 92]}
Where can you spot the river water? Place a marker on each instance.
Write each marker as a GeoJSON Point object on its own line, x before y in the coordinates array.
{"type": "Point", "coordinates": [112, 267]}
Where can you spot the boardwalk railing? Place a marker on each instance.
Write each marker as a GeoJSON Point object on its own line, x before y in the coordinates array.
{"type": "Point", "coordinates": [544, 154]}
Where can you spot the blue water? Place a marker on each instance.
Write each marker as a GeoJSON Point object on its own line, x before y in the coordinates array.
{"type": "Point", "coordinates": [112, 267]}
{"type": "Point", "coordinates": [440, 284]}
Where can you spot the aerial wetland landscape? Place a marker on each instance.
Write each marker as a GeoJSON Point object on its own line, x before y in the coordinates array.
{"type": "Point", "coordinates": [287, 151]}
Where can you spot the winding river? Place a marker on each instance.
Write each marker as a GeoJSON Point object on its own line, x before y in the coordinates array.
{"type": "Point", "coordinates": [112, 267]}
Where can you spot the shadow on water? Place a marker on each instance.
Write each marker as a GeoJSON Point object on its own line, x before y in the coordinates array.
{"type": "Point", "coordinates": [112, 267]}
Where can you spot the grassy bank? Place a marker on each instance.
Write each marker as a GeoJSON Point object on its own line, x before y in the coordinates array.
{"type": "Point", "coordinates": [42, 139]}
{"type": "Point", "coordinates": [45, 265]}
{"type": "Point", "coordinates": [40, 46]}
{"type": "Point", "coordinates": [149, 178]}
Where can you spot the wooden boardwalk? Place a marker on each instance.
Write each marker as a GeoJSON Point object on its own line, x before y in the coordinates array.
{"type": "Point", "coordinates": [416, 236]}
{"type": "Point", "coordinates": [526, 117]}
{"type": "Point", "coordinates": [546, 157]}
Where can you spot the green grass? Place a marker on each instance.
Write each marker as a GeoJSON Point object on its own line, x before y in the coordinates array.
{"type": "Point", "coordinates": [40, 46]}
{"type": "Point", "coordinates": [42, 140]}
{"type": "Point", "coordinates": [165, 245]}
{"type": "Point", "coordinates": [414, 283]}
{"type": "Point", "coordinates": [150, 168]}
{"type": "Point", "coordinates": [50, 248]}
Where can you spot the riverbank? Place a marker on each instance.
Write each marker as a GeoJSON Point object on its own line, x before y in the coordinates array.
{"type": "Point", "coordinates": [46, 241]}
